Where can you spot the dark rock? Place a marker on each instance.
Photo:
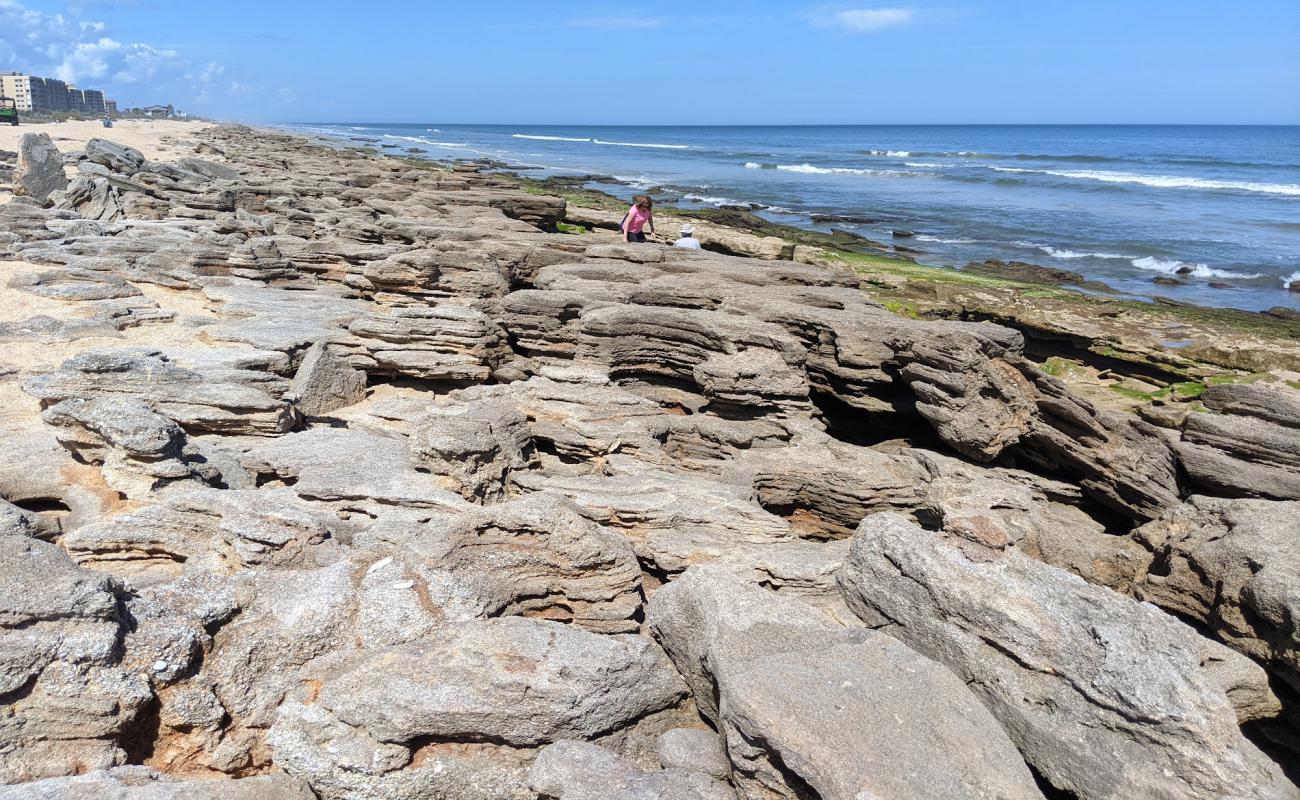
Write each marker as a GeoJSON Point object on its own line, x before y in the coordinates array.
{"type": "Point", "coordinates": [1022, 271]}
{"type": "Point", "coordinates": [40, 168]}
{"type": "Point", "coordinates": [118, 158]}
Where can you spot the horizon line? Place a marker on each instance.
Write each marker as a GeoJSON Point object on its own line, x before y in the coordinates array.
{"type": "Point", "coordinates": [817, 124]}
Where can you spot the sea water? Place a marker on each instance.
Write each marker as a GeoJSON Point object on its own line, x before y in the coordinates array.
{"type": "Point", "coordinates": [1121, 204]}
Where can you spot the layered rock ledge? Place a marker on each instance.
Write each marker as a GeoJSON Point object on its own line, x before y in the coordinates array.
{"type": "Point", "coordinates": [328, 474]}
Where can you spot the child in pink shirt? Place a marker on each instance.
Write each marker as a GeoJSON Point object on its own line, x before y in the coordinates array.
{"type": "Point", "coordinates": [638, 216]}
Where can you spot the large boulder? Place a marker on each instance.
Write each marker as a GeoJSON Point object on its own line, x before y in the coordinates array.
{"type": "Point", "coordinates": [68, 700]}
{"type": "Point", "coordinates": [1105, 696]}
{"type": "Point", "coordinates": [509, 683]}
{"type": "Point", "coordinates": [1233, 566]}
{"type": "Point", "coordinates": [116, 157]}
{"type": "Point", "coordinates": [40, 167]}
{"type": "Point", "coordinates": [808, 707]}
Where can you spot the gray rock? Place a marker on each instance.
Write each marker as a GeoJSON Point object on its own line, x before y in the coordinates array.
{"type": "Point", "coordinates": [1252, 449]}
{"type": "Point", "coordinates": [325, 382]}
{"type": "Point", "coordinates": [184, 395]}
{"type": "Point", "coordinates": [118, 158]}
{"type": "Point", "coordinates": [40, 167]}
{"type": "Point", "coordinates": [808, 706]}
{"type": "Point", "coordinates": [1233, 566]}
{"type": "Point", "coordinates": [509, 682]}
{"type": "Point", "coordinates": [580, 771]}
{"type": "Point", "coordinates": [68, 702]}
{"type": "Point", "coordinates": [209, 169]}
{"type": "Point", "coordinates": [143, 783]}
{"type": "Point", "coordinates": [535, 557]}
{"type": "Point", "coordinates": [472, 448]}
{"type": "Point", "coordinates": [694, 750]}
{"type": "Point", "coordinates": [1082, 678]}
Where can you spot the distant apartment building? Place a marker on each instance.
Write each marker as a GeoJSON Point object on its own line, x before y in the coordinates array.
{"type": "Point", "coordinates": [18, 87]}
{"type": "Point", "coordinates": [110, 107]}
{"type": "Point", "coordinates": [31, 93]}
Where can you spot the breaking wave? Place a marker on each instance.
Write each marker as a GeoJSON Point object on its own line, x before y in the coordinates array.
{"type": "Point", "coordinates": [1171, 267]}
{"type": "Point", "coordinates": [644, 144]}
{"type": "Point", "coordinates": [809, 169]}
{"type": "Point", "coordinates": [548, 138]}
{"type": "Point", "coordinates": [1162, 181]}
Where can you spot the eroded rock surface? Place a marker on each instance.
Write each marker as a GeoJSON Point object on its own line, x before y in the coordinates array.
{"type": "Point", "coordinates": [326, 474]}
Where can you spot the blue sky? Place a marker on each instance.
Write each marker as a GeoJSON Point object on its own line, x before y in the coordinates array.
{"type": "Point", "coordinates": [669, 62]}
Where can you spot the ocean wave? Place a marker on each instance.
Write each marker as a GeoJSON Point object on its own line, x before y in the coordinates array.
{"type": "Point", "coordinates": [1172, 267]}
{"type": "Point", "coordinates": [429, 142]}
{"type": "Point", "coordinates": [1072, 255]}
{"type": "Point", "coordinates": [643, 144]}
{"type": "Point", "coordinates": [756, 165]}
{"type": "Point", "coordinates": [809, 169]}
{"type": "Point", "coordinates": [940, 240]}
{"type": "Point", "coordinates": [547, 138]}
{"type": "Point", "coordinates": [1162, 181]}
{"type": "Point", "coordinates": [641, 182]}
{"type": "Point", "coordinates": [925, 165]}
{"type": "Point", "coordinates": [891, 153]}
{"type": "Point", "coordinates": [1290, 279]}
{"type": "Point", "coordinates": [715, 201]}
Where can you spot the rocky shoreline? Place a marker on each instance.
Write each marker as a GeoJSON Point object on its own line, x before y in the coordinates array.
{"type": "Point", "coordinates": [331, 474]}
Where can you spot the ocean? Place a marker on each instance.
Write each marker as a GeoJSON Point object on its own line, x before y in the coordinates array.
{"type": "Point", "coordinates": [1120, 204]}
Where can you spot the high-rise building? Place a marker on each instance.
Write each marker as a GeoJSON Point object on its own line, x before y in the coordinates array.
{"type": "Point", "coordinates": [110, 107]}
{"type": "Point", "coordinates": [18, 87]}
{"type": "Point", "coordinates": [31, 93]}
{"type": "Point", "coordinates": [93, 100]}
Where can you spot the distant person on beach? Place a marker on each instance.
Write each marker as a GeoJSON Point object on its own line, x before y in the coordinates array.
{"type": "Point", "coordinates": [638, 216]}
{"type": "Point", "coordinates": [688, 240]}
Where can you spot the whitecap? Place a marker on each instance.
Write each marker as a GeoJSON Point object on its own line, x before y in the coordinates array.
{"type": "Point", "coordinates": [547, 138]}
{"type": "Point", "coordinates": [429, 142]}
{"type": "Point", "coordinates": [1071, 255]}
{"type": "Point", "coordinates": [715, 201]}
{"type": "Point", "coordinates": [1162, 181]}
{"type": "Point", "coordinates": [756, 165]}
{"type": "Point", "coordinates": [644, 144]}
{"type": "Point", "coordinates": [1171, 267]}
{"type": "Point", "coordinates": [891, 153]}
{"type": "Point", "coordinates": [927, 238]}
{"type": "Point", "coordinates": [1290, 279]}
{"type": "Point", "coordinates": [925, 165]}
{"type": "Point", "coordinates": [809, 169]}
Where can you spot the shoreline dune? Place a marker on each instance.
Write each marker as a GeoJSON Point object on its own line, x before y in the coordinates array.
{"type": "Point", "coordinates": [326, 474]}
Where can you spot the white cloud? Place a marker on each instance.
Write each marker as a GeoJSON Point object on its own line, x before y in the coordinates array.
{"type": "Point", "coordinates": [615, 22]}
{"type": "Point", "coordinates": [83, 52]}
{"type": "Point", "coordinates": [861, 20]}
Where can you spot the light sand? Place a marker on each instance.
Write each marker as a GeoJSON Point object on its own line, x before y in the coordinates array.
{"type": "Point", "coordinates": [144, 135]}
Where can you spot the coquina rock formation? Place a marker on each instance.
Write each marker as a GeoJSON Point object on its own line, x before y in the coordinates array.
{"type": "Point", "coordinates": [327, 475]}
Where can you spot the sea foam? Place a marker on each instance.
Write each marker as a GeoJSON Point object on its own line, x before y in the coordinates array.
{"type": "Point", "coordinates": [644, 144]}
{"type": "Point", "coordinates": [809, 169]}
{"type": "Point", "coordinates": [548, 138]}
{"type": "Point", "coordinates": [1162, 181]}
{"type": "Point", "coordinates": [1171, 267]}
